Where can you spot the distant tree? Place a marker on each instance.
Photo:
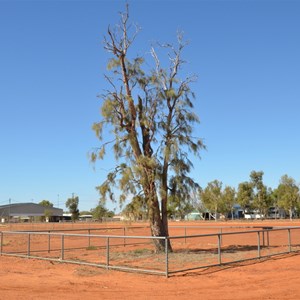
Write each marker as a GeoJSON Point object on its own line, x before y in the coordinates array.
{"type": "Point", "coordinates": [261, 198]}
{"type": "Point", "coordinates": [151, 117]}
{"type": "Point", "coordinates": [245, 195]}
{"type": "Point", "coordinates": [100, 212]}
{"type": "Point", "coordinates": [178, 209]}
{"type": "Point", "coordinates": [211, 196]}
{"type": "Point", "coordinates": [181, 198]}
{"type": "Point", "coordinates": [110, 214]}
{"type": "Point", "coordinates": [228, 200]}
{"type": "Point", "coordinates": [46, 203]}
{"type": "Point", "coordinates": [287, 194]}
{"type": "Point", "coordinates": [72, 205]}
{"type": "Point", "coordinates": [137, 209]}
{"type": "Point", "coordinates": [47, 212]}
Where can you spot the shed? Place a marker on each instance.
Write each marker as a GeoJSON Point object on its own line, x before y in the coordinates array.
{"type": "Point", "coordinates": [28, 211]}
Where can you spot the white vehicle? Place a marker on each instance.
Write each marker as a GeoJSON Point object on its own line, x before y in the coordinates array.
{"type": "Point", "coordinates": [253, 215]}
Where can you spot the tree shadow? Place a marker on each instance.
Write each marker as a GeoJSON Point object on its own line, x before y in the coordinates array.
{"type": "Point", "coordinates": [233, 265]}
{"type": "Point", "coordinates": [214, 250]}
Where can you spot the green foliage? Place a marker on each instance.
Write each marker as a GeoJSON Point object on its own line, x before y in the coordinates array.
{"type": "Point", "coordinates": [211, 196]}
{"type": "Point", "coordinates": [245, 195]}
{"type": "Point", "coordinates": [261, 198]}
{"type": "Point", "coordinates": [287, 194]}
{"type": "Point", "coordinates": [218, 200]}
{"type": "Point", "coordinates": [137, 209]}
{"type": "Point", "coordinates": [46, 203]}
{"type": "Point", "coordinates": [100, 212]}
{"type": "Point", "coordinates": [47, 212]}
{"type": "Point", "coordinates": [151, 120]}
{"type": "Point", "coordinates": [182, 195]}
{"type": "Point", "coordinates": [84, 212]}
{"type": "Point", "coordinates": [72, 205]}
{"type": "Point", "coordinates": [228, 199]}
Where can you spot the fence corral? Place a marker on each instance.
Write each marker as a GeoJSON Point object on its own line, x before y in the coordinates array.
{"type": "Point", "coordinates": [128, 249]}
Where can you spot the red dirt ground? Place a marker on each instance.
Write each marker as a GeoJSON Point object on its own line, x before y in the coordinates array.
{"type": "Point", "coordinates": [274, 278]}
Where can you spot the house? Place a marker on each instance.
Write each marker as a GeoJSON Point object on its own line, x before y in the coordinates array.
{"type": "Point", "coordinates": [26, 212]}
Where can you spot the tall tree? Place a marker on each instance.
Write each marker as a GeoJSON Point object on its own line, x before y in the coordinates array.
{"type": "Point", "coordinates": [151, 115]}
{"type": "Point", "coordinates": [245, 195]}
{"type": "Point", "coordinates": [72, 205]}
{"type": "Point", "coordinates": [211, 196]}
{"type": "Point", "coordinates": [47, 212]}
{"type": "Point", "coordinates": [261, 197]}
{"type": "Point", "coordinates": [228, 200]}
{"type": "Point", "coordinates": [288, 194]}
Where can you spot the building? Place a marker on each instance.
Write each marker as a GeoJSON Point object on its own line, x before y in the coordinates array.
{"type": "Point", "coordinates": [26, 212]}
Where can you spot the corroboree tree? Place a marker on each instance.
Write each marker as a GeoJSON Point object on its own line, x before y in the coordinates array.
{"type": "Point", "coordinates": [150, 116]}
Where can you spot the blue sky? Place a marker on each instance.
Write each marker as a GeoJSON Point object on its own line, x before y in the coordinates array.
{"type": "Point", "coordinates": [246, 54]}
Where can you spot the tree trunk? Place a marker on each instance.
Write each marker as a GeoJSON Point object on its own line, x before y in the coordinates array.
{"type": "Point", "coordinates": [158, 226]}
{"type": "Point", "coordinates": [291, 214]}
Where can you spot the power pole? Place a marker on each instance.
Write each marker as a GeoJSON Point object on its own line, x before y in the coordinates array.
{"type": "Point", "coordinates": [9, 201]}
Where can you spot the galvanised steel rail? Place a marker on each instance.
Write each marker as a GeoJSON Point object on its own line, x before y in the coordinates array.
{"type": "Point", "coordinates": [85, 229]}
{"type": "Point", "coordinates": [62, 249]}
{"type": "Point", "coordinates": [167, 272]}
{"type": "Point", "coordinates": [259, 247]}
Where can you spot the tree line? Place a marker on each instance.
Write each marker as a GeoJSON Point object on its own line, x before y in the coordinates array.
{"type": "Point", "coordinates": [252, 196]}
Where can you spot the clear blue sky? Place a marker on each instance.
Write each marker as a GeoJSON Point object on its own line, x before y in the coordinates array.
{"type": "Point", "coordinates": [247, 57]}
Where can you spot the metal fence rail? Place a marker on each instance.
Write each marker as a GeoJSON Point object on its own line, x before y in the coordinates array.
{"type": "Point", "coordinates": [107, 243]}
{"type": "Point", "coordinates": [191, 252]}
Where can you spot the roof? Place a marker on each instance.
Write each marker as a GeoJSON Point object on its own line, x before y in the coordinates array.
{"type": "Point", "coordinates": [28, 209]}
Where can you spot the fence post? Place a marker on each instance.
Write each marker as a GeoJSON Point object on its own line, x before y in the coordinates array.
{"type": "Point", "coordinates": [107, 253]}
{"type": "Point", "coordinates": [1, 243]}
{"type": "Point", "coordinates": [289, 239]}
{"type": "Point", "coordinates": [89, 239]}
{"type": "Point", "coordinates": [219, 249]}
{"type": "Point", "coordinates": [49, 242]}
{"type": "Point", "coordinates": [258, 244]}
{"type": "Point", "coordinates": [167, 257]}
{"type": "Point", "coordinates": [185, 234]}
{"type": "Point", "coordinates": [124, 234]}
{"type": "Point", "coordinates": [62, 247]}
{"type": "Point", "coordinates": [28, 246]}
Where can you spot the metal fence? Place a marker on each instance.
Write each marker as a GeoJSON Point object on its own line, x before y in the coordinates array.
{"type": "Point", "coordinates": [137, 253]}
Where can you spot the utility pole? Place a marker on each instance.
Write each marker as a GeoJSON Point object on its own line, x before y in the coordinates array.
{"type": "Point", "coordinates": [9, 201]}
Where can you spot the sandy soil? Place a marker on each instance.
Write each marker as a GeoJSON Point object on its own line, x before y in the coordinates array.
{"type": "Point", "coordinates": [275, 278]}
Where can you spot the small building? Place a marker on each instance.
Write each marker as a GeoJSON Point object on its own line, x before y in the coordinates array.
{"type": "Point", "coordinates": [67, 217]}
{"type": "Point", "coordinates": [26, 212]}
{"type": "Point", "coordinates": [86, 218]}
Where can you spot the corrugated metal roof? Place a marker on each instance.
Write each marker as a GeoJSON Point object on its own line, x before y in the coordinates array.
{"type": "Point", "coordinates": [28, 209]}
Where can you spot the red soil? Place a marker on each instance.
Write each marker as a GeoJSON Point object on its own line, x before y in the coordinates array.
{"type": "Point", "coordinates": [273, 278]}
